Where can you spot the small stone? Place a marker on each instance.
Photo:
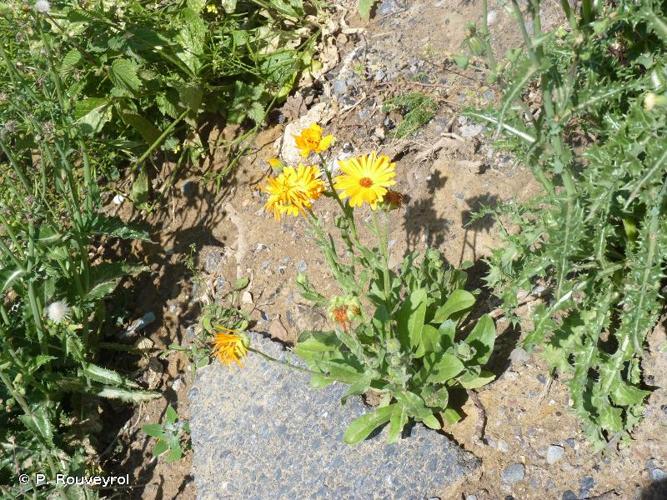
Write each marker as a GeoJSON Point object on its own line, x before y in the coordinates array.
{"type": "Point", "coordinates": [380, 75]}
{"type": "Point", "coordinates": [177, 384]}
{"type": "Point", "coordinates": [513, 473]}
{"type": "Point", "coordinates": [471, 497]}
{"type": "Point", "coordinates": [301, 266]}
{"type": "Point", "coordinates": [470, 131]}
{"type": "Point", "coordinates": [542, 379]}
{"type": "Point", "coordinates": [503, 446]}
{"type": "Point", "coordinates": [571, 442]}
{"type": "Point", "coordinates": [519, 356]}
{"type": "Point", "coordinates": [657, 474]}
{"type": "Point", "coordinates": [491, 17]}
{"type": "Point", "coordinates": [569, 495]}
{"type": "Point", "coordinates": [246, 297]}
{"type": "Point", "coordinates": [586, 484]}
{"type": "Point", "coordinates": [339, 88]}
{"type": "Point", "coordinates": [554, 453]}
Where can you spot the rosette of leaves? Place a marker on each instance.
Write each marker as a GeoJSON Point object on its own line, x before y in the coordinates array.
{"type": "Point", "coordinates": [412, 355]}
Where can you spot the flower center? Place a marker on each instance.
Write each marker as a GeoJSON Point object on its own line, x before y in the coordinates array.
{"type": "Point", "coordinates": [365, 182]}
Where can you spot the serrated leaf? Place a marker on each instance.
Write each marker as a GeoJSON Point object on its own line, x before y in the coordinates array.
{"type": "Point", "coordinates": [9, 276]}
{"type": "Point", "coordinates": [105, 376]}
{"type": "Point", "coordinates": [116, 227]}
{"type": "Point", "coordinates": [124, 75]}
{"type": "Point", "coordinates": [69, 62]}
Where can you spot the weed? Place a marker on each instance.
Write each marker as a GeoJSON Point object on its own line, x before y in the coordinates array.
{"type": "Point", "coordinates": [597, 236]}
{"type": "Point", "coordinates": [417, 109]}
{"type": "Point", "coordinates": [171, 438]}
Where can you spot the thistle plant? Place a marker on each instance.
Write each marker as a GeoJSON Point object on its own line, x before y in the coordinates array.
{"type": "Point", "coordinates": [405, 334]}
{"type": "Point", "coordinates": [594, 138]}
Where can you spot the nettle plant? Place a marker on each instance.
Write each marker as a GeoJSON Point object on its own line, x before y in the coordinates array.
{"type": "Point", "coordinates": [403, 335]}
{"type": "Point", "coordinates": [585, 108]}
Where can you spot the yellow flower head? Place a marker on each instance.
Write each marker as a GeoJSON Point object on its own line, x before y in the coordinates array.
{"type": "Point", "coordinates": [365, 179]}
{"type": "Point", "coordinates": [293, 190]}
{"type": "Point", "coordinates": [230, 347]}
{"type": "Point", "coordinates": [275, 163]}
{"type": "Point", "coordinates": [311, 141]}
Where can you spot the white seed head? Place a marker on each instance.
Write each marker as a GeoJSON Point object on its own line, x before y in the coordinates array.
{"type": "Point", "coordinates": [42, 6]}
{"type": "Point", "coordinates": [58, 311]}
{"type": "Point", "coordinates": [491, 17]}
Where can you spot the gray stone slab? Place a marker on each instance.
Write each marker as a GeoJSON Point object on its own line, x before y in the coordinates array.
{"type": "Point", "coordinates": [263, 432]}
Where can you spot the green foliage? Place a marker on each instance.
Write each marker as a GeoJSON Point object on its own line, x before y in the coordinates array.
{"type": "Point", "coordinates": [597, 236]}
{"type": "Point", "coordinates": [53, 281]}
{"type": "Point", "coordinates": [171, 438]}
{"type": "Point", "coordinates": [417, 109]}
{"type": "Point", "coordinates": [140, 76]}
{"type": "Point", "coordinates": [365, 7]}
{"type": "Point", "coordinates": [405, 337]}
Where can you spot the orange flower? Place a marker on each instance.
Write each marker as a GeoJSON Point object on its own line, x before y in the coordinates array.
{"type": "Point", "coordinates": [293, 190]}
{"type": "Point", "coordinates": [230, 347]}
{"type": "Point", "coordinates": [311, 141]}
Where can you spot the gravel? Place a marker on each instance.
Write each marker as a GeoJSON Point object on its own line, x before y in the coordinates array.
{"type": "Point", "coordinates": [263, 432]}
{"type": "Point", "coordinates": [513, 473]}
{"type": "Point", "coordinates": [554, 453]}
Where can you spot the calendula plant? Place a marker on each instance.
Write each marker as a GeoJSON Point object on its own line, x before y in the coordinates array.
{"type": "Point", "coordinates": [52, 283]}
{"type": "Point", "coordinates": [405, 334]}
{"type": "Point", "coordinates": [585, 108]}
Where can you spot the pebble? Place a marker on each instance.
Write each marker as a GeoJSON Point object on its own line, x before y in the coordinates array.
{"type": "Point", "coordinates": [301, 266]}
{"type": "Point", "coordinates": [503, 446]}
{"type": "Point", "coordinates": [519, 356]}
{"type": "Point", "coordinates": [569, 495]}
{"type": "Point", "coordinates": [586, 484]}
{"type": "Point", "coordinates": [657, 474]}
{"type": "Point", "coordinates": [469, 131]}
{"type": "Point", "coordinates": [513, 473]}
{"type": "Point", "coordinates": [491, 17]}
{"type": "Point", "coordinates": [388, 7]}
{"type": "Point", "coordinates": [554, 453]}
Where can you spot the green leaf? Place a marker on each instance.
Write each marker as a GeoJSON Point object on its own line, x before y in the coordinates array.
{"type": "Point", "coordinates": [430, 341]}
{"type": "Point", "coordinates": [474, 381]}
{"type": "Point", "coordinates": [176, 453]}
{"type": "Point", "coordinates": [624, 394]}
{"type": "Point", "coordinates": [610, 417]}
{"type": "Point", "coordinates": [365, 7]}
{"type": "Point", "coordinates": [458, 302]}
{"type": "Point", "coordinates": [115, 227]}
{"type": "Point", "coordinates": [104, 278]}
{"type": "Point", "coordinates": [432, 422]}
{"type": "Point", "coordinates": [9, 276]}
{"type": "Point", "coordinates": [397, 421]}
{"type": "Point", "coordinates": [358, 387]}
{"type": "Point", "coordinates": [40, 424]}
{"type": "Point", "coordinates": [361, 427]}
{"type": "Point", "coordinates": [105, 376]}
{"type": "Point", "coordinates": [482, 339]}
{"type": "Point", "coordinates": [92, 114]}
{"type": "Point", "coordinates": [171, 415]}
{"type": "Point", "coordinates": [140, 188]}
{"type": "Point", "coordinates": [451, 416]}
{"type": "Point", "coordinates": [153, 430]}
{"type": "Point", "coordinates": [160, 447]}
{"type": "Point", "coordinates": [124, 75]}
{"type": "Point", "coordinates": [149, 132]}
{"type": "Point", "coordinates": [241, 283]}
{"type": "Point", "coordinates": [410, 318]}
{"type": "Point", "coordinates": [446, 367]}
{"type": "Point", "coordinates": [461, 61]}
{"type": "Point", "coordinates": [126, 395]}
{"type": "Point", "coordinates": [311, 345]}
{"type": "Point", "coordinates": [69, 62]}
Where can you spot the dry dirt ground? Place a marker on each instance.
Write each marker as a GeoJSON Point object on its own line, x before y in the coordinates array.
{"type": "Point", "coordinates": [448, 169]}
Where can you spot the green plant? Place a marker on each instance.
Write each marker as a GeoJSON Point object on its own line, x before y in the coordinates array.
{"type": "Point", "coordinates": [53, 281]}
{"type": "Point", "coordinates": [585, 109]}
{"type": "Point", "coordinates": [140, 76]}
{"type": "Point", "coordinates": [172, 437]}
{"type": "Point", "coordinates": [404, 334]}
{"type": "Point", "coordinates": [417, 110]}
{"type": "Point", "coordinates": [364, 7]}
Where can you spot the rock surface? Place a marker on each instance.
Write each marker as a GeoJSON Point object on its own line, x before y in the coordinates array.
{"type": "Point", "coordinates": [263, 432]}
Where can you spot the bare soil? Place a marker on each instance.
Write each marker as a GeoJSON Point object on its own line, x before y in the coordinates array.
{"type": "Point", "coordinates": [448, 169]}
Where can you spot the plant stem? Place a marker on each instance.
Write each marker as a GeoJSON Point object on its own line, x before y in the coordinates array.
{"type": "Point", "coordinates": [282, 362]}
